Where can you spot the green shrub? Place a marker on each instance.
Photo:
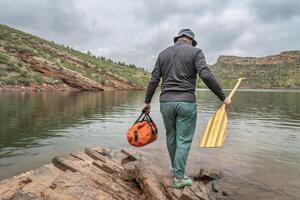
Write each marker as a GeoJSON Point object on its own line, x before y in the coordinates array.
{"type": "Point", "coordinates": [11, 80]}
{"type": "Point", "coordinates": [4, 34]}
{"type": "Point", "coordinates": [26, 49]}
{"type": "Point", "coordinates": [38, 79]}
{"type": "Point", "coordinates": [4, 59]}
{"type": "Point", "coordinates": [12, 68]}
{"type": "Point", "coordinates": [23, 72]}
{"type": "Point", "coordinates": [24, 81]}
{"type": "Point", "coordinates": [2, 73]}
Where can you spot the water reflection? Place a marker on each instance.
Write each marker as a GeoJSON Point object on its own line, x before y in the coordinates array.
{"type": "Point", "coordinates": [27, 118]}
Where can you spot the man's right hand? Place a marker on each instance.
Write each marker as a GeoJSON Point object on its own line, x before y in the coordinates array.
{"type": "Point", "coordinates": [227, 102]}
{"type": "Point", "coordinates": [146, 108]}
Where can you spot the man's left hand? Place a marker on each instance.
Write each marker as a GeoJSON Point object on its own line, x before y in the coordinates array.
{"type": "Point", "coordinates": [146, 108]}
{"type": "Point", "coordinates": [227, 102]}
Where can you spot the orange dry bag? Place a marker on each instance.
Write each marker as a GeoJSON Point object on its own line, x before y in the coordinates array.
{"type": "Point", "coordinates": [142, 132]}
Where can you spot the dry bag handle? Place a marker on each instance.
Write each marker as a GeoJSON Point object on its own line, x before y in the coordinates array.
{"type": "Point", "coordinates": [148, 119]}
{"type": "Point", "coordinates": [146, 116]}
{"type": "Point", "coordinates": [151, 123]}
{"type": "Point", "coordinates": [138, 119]}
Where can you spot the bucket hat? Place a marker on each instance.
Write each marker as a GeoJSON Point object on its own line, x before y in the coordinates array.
{"type": "Point", "coordinates": [188, 33]}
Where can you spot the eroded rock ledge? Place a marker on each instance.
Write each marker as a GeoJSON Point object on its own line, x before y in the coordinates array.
{"type": "Point", "coordinates": [97, 173]}
{"type": "Point", "coordinates": [285, 57]}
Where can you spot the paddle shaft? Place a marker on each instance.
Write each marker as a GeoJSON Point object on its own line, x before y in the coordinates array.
{"type": "Point", "coordinates": [235, 88]}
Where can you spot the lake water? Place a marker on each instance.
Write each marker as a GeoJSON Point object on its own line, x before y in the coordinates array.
{"type": "Point", "coordinates": [260, 158]}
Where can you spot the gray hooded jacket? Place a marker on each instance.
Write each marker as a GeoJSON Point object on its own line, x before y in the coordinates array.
{"type": "Point", "coordinates": [178, 65]}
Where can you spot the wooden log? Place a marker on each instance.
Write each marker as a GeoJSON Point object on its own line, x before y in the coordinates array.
{"type": "Point", "coordinates": [173, 194]}
{"type": "Point", "coordinates": [149, 179]}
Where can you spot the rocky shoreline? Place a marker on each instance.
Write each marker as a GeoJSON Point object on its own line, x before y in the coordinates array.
{"type": "Point", "coordinates": [37, 88]}
{"type": "Point", "coordinates": [99, 173]}
{"type": "Point", "coordinates": [51, 88]}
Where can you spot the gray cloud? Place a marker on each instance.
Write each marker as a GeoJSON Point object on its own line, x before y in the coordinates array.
{"type": "Point", "coordinates": [275, 10]}
{"type": "Point", "coordinates": [56, 20]}
{"type": "Point", "coordinates": [136, 31]}
{"type": "Point", "coordinates": [157, 11]}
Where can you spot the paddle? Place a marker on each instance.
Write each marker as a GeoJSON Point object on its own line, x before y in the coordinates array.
{"type": "Point", "coordinates": [216, 129]}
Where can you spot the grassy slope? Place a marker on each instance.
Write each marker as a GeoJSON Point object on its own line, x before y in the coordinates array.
{"type": "Point", "coordinates": [257, 76]}
{"type": "Point", "coordinates": [13, 71]}
{"type": "Point", "coordinates": [264, 76]}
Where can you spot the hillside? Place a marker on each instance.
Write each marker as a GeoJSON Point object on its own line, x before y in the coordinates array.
{"type": "Point", "coordinates": [276, 71]}
{"type": "Point", "coordinates": [31, 62]}
{"type": "Point", "coordinates": [27, 61]}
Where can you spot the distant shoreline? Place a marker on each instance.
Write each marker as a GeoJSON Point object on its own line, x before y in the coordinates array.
{"type": "Point", "coordinates": [260, 89]}
{"type": "Point", "coordinates": [10, 88]}
{"type": "Point", "coordinates": [48, 88]}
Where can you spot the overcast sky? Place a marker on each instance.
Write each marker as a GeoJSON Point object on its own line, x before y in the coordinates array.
{"type": "Point", "coordinates": [135, 31]}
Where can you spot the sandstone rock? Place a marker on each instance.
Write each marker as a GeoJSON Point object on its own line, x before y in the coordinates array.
{"type": "Point", "coordinates": [202, 195]}
{"type": "Point", "coordinates": [105, 167]}
{"type": "Point", "coordinates": [103, 151]}
{"type": "Point", "coordinates": [79, 186]}
{"type": "Point", "coordinates": [209, 174]}
{"type": "Point", "coordinates": [188, 194]}
{"type": "Point", "coordinates": [96, 175]}
{"type": "Point", "coordinates": [69, 77]}
{"type": "Point", "coordinates": [65, 163]}
{"type": "Point", "coordinates": [95, 155]}
{"type": "Point", "coordinates": [82, 156]}
{"type": "Point", "coordinates": [282, 58]}
{"type": "Point", "coordinates": [215, 187]}
{"type": "Point", "coordinates": [130, 153]}
{"type": "Point", "coordinates": [20, 195]}
{"type": "Point", "coordinates": [106, 159]}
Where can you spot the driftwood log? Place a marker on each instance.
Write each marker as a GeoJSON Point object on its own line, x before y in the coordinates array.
{"type": "Point", "coordinates": [95, 174]}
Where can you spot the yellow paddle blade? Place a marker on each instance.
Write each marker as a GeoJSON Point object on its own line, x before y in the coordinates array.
{"type": "Point", "coordinates": [216, 129]}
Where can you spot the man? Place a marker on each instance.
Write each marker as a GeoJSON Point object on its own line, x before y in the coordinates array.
{"type": "Point", "coordinates": [178, 65]}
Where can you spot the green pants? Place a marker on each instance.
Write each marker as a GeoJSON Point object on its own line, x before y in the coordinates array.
{"type": "Point", "coordinates": [180, 121]}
